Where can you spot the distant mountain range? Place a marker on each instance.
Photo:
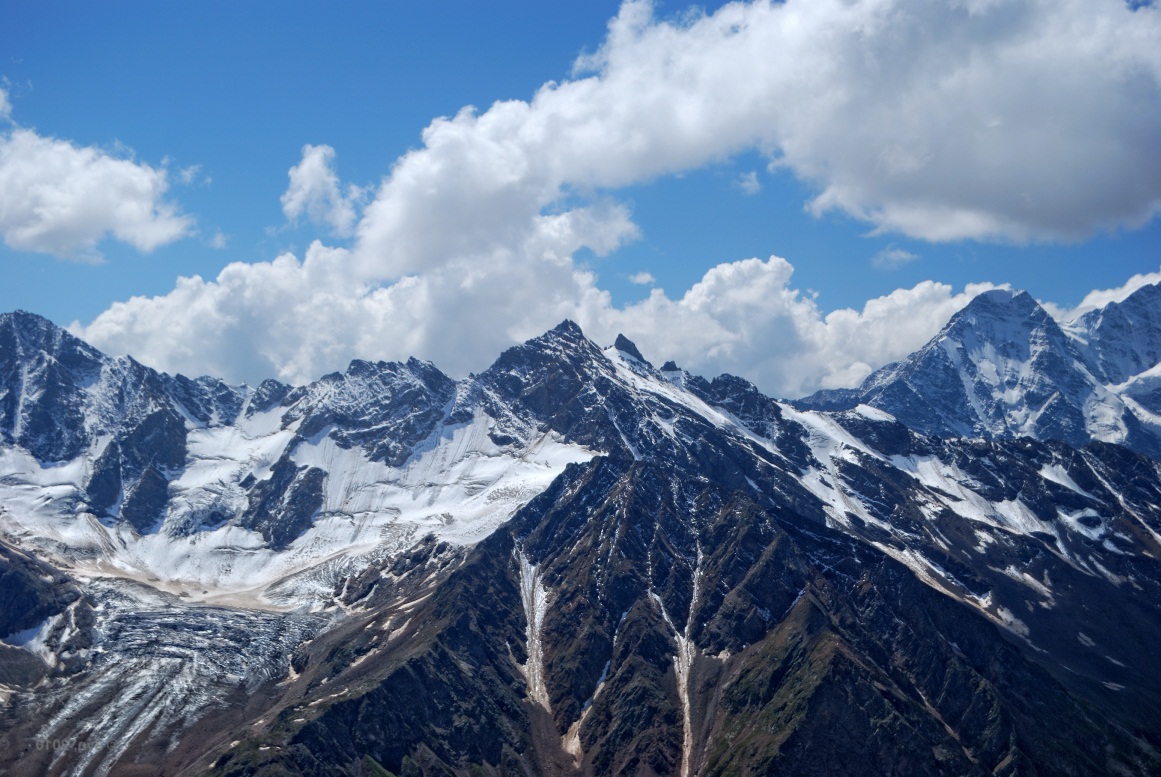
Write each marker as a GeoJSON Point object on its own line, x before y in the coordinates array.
{"type": "Point", "coordinates": [1003, 368]}
{"type": "Point", "coordinates": [578, 563]}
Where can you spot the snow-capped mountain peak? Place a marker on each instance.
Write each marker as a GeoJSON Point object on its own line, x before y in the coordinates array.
{"type": "Point", "coordinates": [1003, 368]}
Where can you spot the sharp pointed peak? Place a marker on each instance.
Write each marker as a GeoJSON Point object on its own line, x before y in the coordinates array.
{"type": "Point", "coordinates": [1000, 305]}
{"type": "Point", "coordinates": [567, 333]}
{"type": "Point", "coordinates": [629, 348]}
{"type": "Point", "coordinates": [24, 320]}
{"type": "Point", "coordinates": [1017, 297]}
{"type": "Point", "coordinates": [567, 327]}
{"type": "Point", "coordinates": [38, 332]}
{"type": "Point", "coordinates": [565, 342]}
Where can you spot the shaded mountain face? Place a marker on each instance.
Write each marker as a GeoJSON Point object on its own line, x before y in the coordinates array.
{"type": "Point", "coordinates": [571, 563]}
{"type": "Point", "coordinates": [1003, 368]}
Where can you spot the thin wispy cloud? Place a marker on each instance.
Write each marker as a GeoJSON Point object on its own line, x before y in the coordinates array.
{"type": "Point", "coordinates": [315, 191]}
{"type": "Point", "coordinates": [749, 183]}
{"type": "Point", "coordinates": [892, 258]}
{"type": "Point", "coordinates": [191, 174]}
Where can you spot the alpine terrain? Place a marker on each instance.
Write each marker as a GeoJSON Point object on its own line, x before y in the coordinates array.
{"type": "Point", "coordinates": [577, 563]}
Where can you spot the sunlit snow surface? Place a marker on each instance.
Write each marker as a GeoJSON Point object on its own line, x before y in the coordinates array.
{"type": "Point", "coordinates": [459, 486]}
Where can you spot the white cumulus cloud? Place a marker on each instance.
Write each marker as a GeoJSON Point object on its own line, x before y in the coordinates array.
{"type": "Point", "coordinates": [642, 278]}
{"type": "Point", "coordinates": [1003, 120]}
{"type": "Point", "coordinates": [63, 199]}
{"type": "Point", "coordinates": [1016, 120]}
{"type": "Point", "coordinates": [315, 190]}
{"type": "Point", "coordinates": [60, 199]}
{"type": "Point", "coordinates": [746, 318]}
{"type": "Point", "coordinates": [296, 319]}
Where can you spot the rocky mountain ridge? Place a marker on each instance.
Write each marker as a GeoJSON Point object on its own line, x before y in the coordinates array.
{"type": "Point", "coordinates": [571, 563]}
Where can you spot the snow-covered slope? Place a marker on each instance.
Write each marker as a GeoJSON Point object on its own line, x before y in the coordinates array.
{"type": "Point", "coordinates": [263, 498]}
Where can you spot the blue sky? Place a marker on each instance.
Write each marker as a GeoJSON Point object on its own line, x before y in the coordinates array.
{"type": "Point", "coordinates": [220, 98]}
{"type": "Point", "coordinates": [238, 88]}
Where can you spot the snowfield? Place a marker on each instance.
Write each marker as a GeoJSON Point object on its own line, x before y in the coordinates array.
{"type": "Point", "coordinates": [460, 488]}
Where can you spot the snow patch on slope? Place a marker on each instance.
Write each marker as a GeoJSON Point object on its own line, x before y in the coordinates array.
{"type": "Point", "coordinates": [534, 597]}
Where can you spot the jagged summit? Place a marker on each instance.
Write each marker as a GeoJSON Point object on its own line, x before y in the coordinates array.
{"type": "Point", "coordinates": [1010, 321]}
{"type": "Point", "coordinates": [28, 337]}
{"type": "Point", "coordinates": [629, 348]}
{"type": "Point", "coordinates": [35, 326]}
{"type": "Point", "coordinates": [567, 330]}
{"type": "Point", "coordinates": [1005, 302]}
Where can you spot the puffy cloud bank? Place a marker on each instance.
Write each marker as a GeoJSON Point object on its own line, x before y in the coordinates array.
{"type": "Point", "coordinates": [297, 319]}
{"type": "Point", "coordinates": [986, 119]}
{"type": "Point", "coordinates": [59, 198]}
{"type": "Point", "coordinates": [1012, 120]}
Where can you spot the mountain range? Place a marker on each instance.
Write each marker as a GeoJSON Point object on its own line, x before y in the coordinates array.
{"type": "Point", "coordinates": [575, 562]}
{"type": "Point", "coordinates": [1003, 367]}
